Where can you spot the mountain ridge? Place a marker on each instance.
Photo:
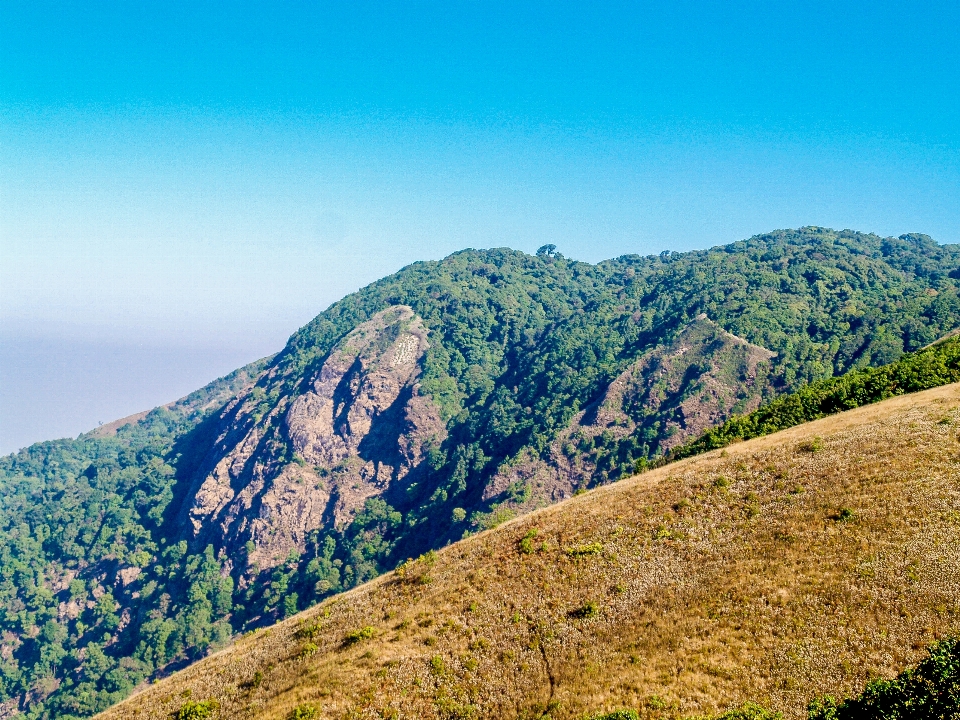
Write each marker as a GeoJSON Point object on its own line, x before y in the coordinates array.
{"type": "Point", "coordinates": [110, 582]}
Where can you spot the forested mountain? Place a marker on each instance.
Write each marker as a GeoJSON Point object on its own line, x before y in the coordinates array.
{"type": "Point", "coordinates": [436, 402]}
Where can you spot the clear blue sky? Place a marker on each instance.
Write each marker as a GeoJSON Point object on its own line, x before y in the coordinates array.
{"type": "Point", "coordinates": [182, 185]}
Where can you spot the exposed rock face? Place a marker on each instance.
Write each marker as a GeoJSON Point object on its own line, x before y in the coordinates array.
{"type": "Point", "coordinates": [696, 382]}
{"type": "Point", "coordinates": [364, 421]}
{"type": "Point", "coordinates": [362, 430]}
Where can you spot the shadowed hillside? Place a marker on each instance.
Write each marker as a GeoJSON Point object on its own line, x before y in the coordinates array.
{"type": "Point", "coordinates": [800, 563]}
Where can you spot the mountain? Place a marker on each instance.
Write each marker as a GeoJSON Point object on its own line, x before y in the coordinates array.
{"type": "Point", "coordinates": [435, 403]}
{"type": "Point", "coordinates": [798, 564]}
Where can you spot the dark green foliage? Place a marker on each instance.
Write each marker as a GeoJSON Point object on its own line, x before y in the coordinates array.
{"type": "Point", "coordinates": [76, 517]}
{"type": "Point", "coordinates": [519, 344]}
{"type": "Point", "coordinates": [305, 711]}
{"type": "Point", "coordinates": [928, 368]}
{"type": "Point", "coordinates": [618, 715]}
{"type": "Point", "coordinates": [585, 611]}
{"type": "Point", "coordinates": [197, 710]}
{"type": "Point", "coordinates": [930, 691]}
{"type": "Point", "coordinates": [355, 636]}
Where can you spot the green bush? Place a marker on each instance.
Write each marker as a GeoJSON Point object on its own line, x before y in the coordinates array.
{"type": "Point", "coordinates": [750, 712]}
{"type": "Point", "coordinates": [585, 611]}
{"type": "Point", "coordinates": [617, 715]}
{"type": "Point", "coordinates": [594, 548]}
{"type": "Point", "coordinates": [191, 710]}
{"type": "Point", "coordinates": [929, 691]}
{"type": "Point", "coordinates": [305, 711]}
{"type": "Point", "coordinates": [526, 542]}
{"type": "Point", "coordinates": [355, 636]}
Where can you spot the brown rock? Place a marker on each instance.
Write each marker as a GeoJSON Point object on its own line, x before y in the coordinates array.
{"type": "Point", "coordinates": [362, 430]}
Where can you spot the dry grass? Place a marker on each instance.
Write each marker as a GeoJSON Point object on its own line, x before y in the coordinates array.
{"type": "Point", "coordinates": [728, 577]}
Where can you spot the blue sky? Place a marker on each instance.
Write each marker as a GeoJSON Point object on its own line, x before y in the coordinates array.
{"type": "Point", "coordinates": [182, 185]}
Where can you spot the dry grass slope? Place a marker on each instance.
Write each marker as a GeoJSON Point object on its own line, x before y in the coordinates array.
{"type": "Point", "coordinates": [798, 563]}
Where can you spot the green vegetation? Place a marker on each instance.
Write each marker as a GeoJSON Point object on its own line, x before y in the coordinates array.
{"type": "Point", "coordinates": [197, 710]}
{"type": "Point", "coordinates": [618, 715]}
{"type": "Point", "coordinates": [929, 691]}
{"type": "Point", "coordinates": [94, 596]}
{"type": "Point", "coordinates": [588, 549]}
{"type": "Point", "coordinates": [930, 367]}
{"type": "Point", "coordinates": [585, 611]}
{"type": "Point", "coordinates": [101, 589]}
{"type": "Point", "coordinates": [747, 712]}
{"type": "Point", "coordinates": [355, 636]}
{"type": "Point", "coordinates": [305, 711]}
{"type": "Point", "coordinates": [526, 542]}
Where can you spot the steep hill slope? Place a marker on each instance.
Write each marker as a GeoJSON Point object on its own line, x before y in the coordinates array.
{"type": "Point", "coordinates": [435, 403]}
{"type": "Point", "coordinates": [799, 563]}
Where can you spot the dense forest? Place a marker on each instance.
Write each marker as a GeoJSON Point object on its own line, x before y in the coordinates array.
{"type": "Point", "coordinates": [102, 587]}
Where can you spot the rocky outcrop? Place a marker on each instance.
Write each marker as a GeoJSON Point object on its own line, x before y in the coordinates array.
{"type": "Point", "coordinates": [671, 394]}
{"type": "Point", "coordinates": [364, 424]}
{"type": "Point", "coordinates": [362, 429]}
{"type": "Point", "coordinates": [684, 388]}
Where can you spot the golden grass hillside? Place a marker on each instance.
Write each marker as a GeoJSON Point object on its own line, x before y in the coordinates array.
{"type": "Point", "coordinates": [800, 563]}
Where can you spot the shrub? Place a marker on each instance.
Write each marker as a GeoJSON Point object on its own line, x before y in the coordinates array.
{"type": "Point", "coordinates": [587, 610]}
{"type": "Point", "coordinates": [617, 715]}
{"type": "Point", "coordinates": [191, 710]}
{"type": "Point", "coordinates": [588, 549]}
{"type": "Point", "coordinates": [307, 632]}
{"type": "Point", "coordinates": [305, 711]}
{"type": "Point", "coordinates": [355, 636]}
{"type": "Point", "coordinates": [750, 712]}
{"type": "Point", "coordinates": [526, 542]}
{"type": "Point", "coordinates": [307, 650]}
{"type": "Point", "coordinates": [845, 514]}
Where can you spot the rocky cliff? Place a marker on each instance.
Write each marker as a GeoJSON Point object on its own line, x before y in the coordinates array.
{"type": "Point", "coordinates": [361, 429]}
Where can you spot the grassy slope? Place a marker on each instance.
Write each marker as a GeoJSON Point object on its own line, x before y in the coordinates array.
{"type": "Point", "coordinates": [719, 579]}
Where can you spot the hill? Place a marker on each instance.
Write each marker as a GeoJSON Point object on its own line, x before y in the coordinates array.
{"type": "Point", "coordinates": [435, 403]}
{"type": "Point", "coordinates": [805, 562]}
